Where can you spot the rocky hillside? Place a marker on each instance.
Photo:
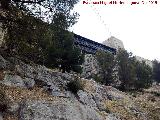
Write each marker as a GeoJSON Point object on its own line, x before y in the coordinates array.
{"type": "Point", "coordinates": [34, 92]}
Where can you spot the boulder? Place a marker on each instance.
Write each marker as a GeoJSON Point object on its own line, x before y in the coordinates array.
{"type": "Point", "coordinates": [17, 81]}
{"type": "Point", "coordinates": [3, 63]}
{"type": "Point", "coordinates": [99, 101]}
{"type": "Point", "coordinates": [13, 80]}
{"type": "Point", "coordinates": [29, 82]}
{"type": "Point", "coordinates": [13, 108]}
{"type": "Point", "coordinates": [112, 117]}
{"type": "Point", "coordinates": [86, 98]}
{"type": "Point", "coordinates": [59, 110]}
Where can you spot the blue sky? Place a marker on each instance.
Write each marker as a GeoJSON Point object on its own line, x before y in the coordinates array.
{"type": "Point", "coordinates": [138, 26]}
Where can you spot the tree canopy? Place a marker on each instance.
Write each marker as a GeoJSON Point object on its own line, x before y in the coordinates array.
{"type": "Point", "coordinates": [44, 9]}
{"type": "Point", "coordinates": [37, 30]}
{"type": "Point", "coordinates": [143, 75]}
{"type": "Point", "coordinates": [133, 74]}
{"type": "Point", "coordinates": [156, 71]}
{"type": "Point", "coordinates": [107, 63]}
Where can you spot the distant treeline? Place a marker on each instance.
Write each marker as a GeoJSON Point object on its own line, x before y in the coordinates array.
{"type": "Point", "coordinates": [131, 73]}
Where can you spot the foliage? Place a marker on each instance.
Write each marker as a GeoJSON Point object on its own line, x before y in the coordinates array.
{"type": "Point", "coordinates": [143, 75]}
{"type": "Point", "coordinates": [107, 64]}
{"type": "Point", "coordinates": [43, 9]}
{"type": "Point", "coordinates": [98, 78]}
{"type": "Point", "coordinates": [75, 85]}
{"type": "Point", "coordinates": [32, 39]}
{"type": "Point", "coordinates": [156, 71]}
{"type": "Point", "coordinates": [132, 73]}
{"type": "Point", "coordinates": [65, 60]}
{"type": "Point", "coordinates": [126, 69]}
{"type": "Point", "coordinates": [62, 52]}
{"type": "Point", "coordinates": [27, 37]}
{"type": "Point", "coordinates": [157, 94]}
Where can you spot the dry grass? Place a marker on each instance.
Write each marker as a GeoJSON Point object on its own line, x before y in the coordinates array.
{"type": "Point", "coordinates": [89, 86]}
{"type": "Point", "coordinates": [17, 94]}
{"type": "Point", "coordinates": [119, 107]}
{"type": "Point", "coordinates": [151, 108]}
{"type": "Point", "coordinates": [10, 117]}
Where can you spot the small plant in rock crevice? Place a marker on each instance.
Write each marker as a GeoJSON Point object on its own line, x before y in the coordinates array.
{"type": "Point", "coordinates": [75, 85]}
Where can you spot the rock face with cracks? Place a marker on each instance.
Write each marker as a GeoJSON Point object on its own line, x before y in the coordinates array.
{"type": "Point", "coordinates": [58, 110]}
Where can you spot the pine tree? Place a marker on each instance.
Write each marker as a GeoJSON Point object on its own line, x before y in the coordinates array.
{"type": "Point", "coordinates": [133, 74]}
{"type": "Point", "coordinates": [38, 32]}
{"type": "Point", "coordinates": [126, 69]}
{"type": "Point", "coordinates": [64, 55]}
{"type": "Point", "coordinates": [156, 71]}
{"type": "Point", "coordinates": [143, 75]}
{"type": "Point", "coordinates": [107, 64]}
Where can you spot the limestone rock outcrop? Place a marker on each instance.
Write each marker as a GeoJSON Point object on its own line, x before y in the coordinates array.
{"type": "Point", "coordinates": [61, 109]}
{"type": "Point", "coordinates": [148, 62]}
{"type": "Point", "coordinates": [90, 66]}
{"type": "Point", "coordinates": [47, 97]}
{"type": "Point", "coordinates": [17, 81]}
{"type": "Point", "coordinates": [113, 42]}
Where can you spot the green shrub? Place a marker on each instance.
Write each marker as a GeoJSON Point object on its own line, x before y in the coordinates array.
{"type": "Point", "coordinates": [75, 85]}
{"type": "Point", "coordinates": [106, 62]}
{"type": "Point", "coordinates": [98, 78]}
